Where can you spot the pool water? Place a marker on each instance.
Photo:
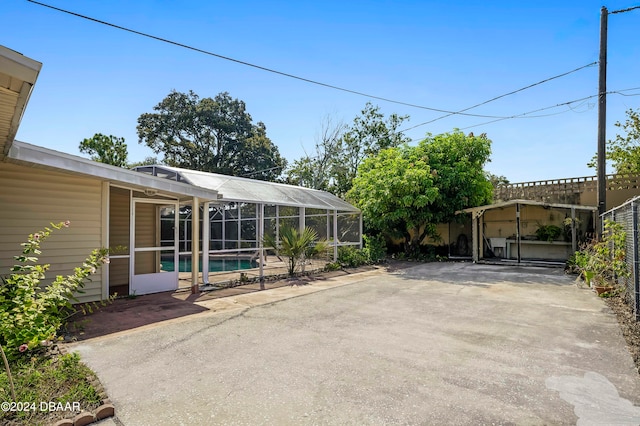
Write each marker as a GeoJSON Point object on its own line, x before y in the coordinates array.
{"type": "Point", "coordinates": [216, 265]}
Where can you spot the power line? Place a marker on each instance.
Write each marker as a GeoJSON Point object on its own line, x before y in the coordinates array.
{"type": "Point", "coordinates": [281, 73]}
{"type": "Point", "coordinates": [613, 92]}
{"type": "Point", "coordinates": [502, 96]}
{"type": "Point", "coordinates": [625, 10]}
{"type": "Point", "coordinates": [627, 90]}
{"type": "Point", "coordinates": [534, 111]}
{"type": "Point", "coordinates": [528, 113]}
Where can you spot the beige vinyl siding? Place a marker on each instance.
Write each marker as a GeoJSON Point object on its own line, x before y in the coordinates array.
{"type": "Point", "coordinates": [119, 223]}
{"type": "Point", "coordinates": [119, 228]}
{"type": "Point", "coordinates": [119, 274]}
{"type": "Point", "coordinates": [30, 199]}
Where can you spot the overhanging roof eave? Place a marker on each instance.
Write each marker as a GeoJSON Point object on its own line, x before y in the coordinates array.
{"type": "Point", "coordinates": [24, 153]}
{"type": "Point", "coordinates": [24, 72]}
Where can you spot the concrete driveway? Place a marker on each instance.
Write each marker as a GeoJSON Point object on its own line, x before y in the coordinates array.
{"type": "Point", "coordinates": [439, 343]}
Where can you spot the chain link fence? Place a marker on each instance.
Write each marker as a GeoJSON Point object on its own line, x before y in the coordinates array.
{"type": "Point", "coordinates": [627, 215]}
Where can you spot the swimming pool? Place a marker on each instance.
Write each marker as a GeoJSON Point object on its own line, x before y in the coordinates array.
{"type": "Point", "coordinates": [215, 265]}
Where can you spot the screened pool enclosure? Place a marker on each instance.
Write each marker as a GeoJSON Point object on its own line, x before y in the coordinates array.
{"type": "Point", "coordinates": [229, 231]}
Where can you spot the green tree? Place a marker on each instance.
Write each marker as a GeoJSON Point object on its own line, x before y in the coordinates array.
{"type": "Point", "coordinates": [341, 149]}
{"type": "Point", "coordinates": [210, 134]}
{"type": "Point", "coordinates": [105, 149]}
{"type": "Point", "coordinates": [497, 180]}
{"type": "Point", "coordinates": [624, 150]}
{"type": "Point", "coordinates": [148, 161]}
{"type": "Point", "coordinates": [369, 134]}
{"type": "Point", "coordinates": [404, 192]}
{"type": "Point", "coordinates": [457, 162]}
{"type": "Point", "coordinates": [260, 159]}
{"type": "Point", "coordinates": [316, 171]}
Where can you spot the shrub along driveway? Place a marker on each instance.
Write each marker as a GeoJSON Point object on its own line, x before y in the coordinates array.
{"type": "Point", "coordinates": [439, 343]}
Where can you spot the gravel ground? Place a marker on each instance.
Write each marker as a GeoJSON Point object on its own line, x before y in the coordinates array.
{"type": "Point", "coordinates": [629, 326]}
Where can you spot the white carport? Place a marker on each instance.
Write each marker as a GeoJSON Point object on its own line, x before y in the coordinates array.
{"type": "Point", "coordinates": [508, 225]}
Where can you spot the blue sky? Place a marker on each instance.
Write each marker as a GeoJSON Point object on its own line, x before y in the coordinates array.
{"type": "Point", "coordinates": [439, 54]}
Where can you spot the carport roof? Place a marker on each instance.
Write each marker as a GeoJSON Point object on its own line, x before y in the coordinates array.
{"type": "Point", "coordinates": [508, 203]}
{"type": "Point", "coordinates": [238, 189]}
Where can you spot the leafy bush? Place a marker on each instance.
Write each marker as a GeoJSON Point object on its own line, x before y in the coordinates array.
{"type": "Point", "coordinates": [601, 263]}
{"type": "Point", "coordinates": [351, 257]}
{"type": "Point", "coordinates": [548, 232]}
{"type": "Point", "coordinates": [375, 249]}
{"type": "Point", "coordinates": [333, 266]}
{"type": "Point", "coordinates": [376, 246]}
{"type": "Point", "coordinates": [31, 315]}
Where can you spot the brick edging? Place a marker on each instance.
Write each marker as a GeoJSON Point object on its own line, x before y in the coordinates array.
{"type": "Point", "coordinates": [104, 410]}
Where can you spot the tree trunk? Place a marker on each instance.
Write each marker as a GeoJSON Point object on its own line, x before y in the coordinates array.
{"type": "Point", "coordinates": [292, 265]}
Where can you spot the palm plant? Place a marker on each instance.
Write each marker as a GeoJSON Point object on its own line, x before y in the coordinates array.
{"type": "Point", "coordinates": [296, 246]}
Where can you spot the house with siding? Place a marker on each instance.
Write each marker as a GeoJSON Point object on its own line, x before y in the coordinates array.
{"type": "Point", "coordinates": [39, 186]}
{"type": "Point", "coordinates": [151, 219]}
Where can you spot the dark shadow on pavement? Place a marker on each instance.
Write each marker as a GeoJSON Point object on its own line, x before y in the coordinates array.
{"type": "Point", "coordinates": [132, 312]}
{"type": "Point", "coordinates": [129, 313]}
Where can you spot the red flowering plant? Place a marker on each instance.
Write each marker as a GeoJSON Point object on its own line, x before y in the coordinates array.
{"type": "Point", "coordinates": [32, 314]}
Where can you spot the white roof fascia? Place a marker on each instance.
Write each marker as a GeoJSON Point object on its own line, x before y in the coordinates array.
{"type": "Point", "coordinates": [21, 106]}
{"type": "Point", "coordinates": [22, 68]}
{"type": "Point", "coordinates": [19, 66]}
{"type": "Point", "coordinates": [55, 160]}
{"type": "Point", "coordinates": [527, 202]}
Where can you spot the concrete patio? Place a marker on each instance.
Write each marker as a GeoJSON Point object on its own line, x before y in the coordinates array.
{"type": "Point", "coordinates": [438, 343]}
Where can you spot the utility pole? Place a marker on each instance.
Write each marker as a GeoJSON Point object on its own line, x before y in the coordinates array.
{"type": "Point", "coordinates": [602, 114]}
{"type": "Point", "coordinates": [602, 120]}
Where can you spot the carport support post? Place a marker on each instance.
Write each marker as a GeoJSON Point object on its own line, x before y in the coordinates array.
{"type": "Point", "coordinates": [481, 231]}
{"type": "Point", "coordinates": [518, 229]}
{"type": "Point", "coordinates": [574, 244]}
{"type": "Point", "coordinates": [474, 236]}
{"type": "Point", "coordinates": [195, 243]}
{"type": "Point", "coordinates": [448, 239]}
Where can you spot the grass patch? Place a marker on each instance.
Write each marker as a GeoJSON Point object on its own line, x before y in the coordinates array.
{"type": "Point", "coordinates": [48, 389]}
